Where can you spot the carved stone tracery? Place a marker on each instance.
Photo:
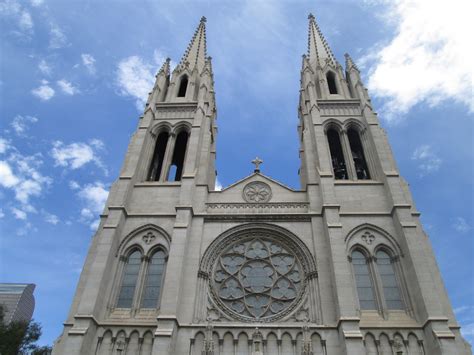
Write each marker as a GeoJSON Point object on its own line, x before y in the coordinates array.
{"type": "Point", "coordinates": [257, 192]}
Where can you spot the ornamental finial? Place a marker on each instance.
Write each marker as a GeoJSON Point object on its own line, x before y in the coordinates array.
{"type": "Point", "coordinates": [257, 161]}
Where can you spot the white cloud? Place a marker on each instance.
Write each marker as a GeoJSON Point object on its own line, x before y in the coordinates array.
{"type": "Point", "coordinates": [218, 185]}
{"type": "Point", "coordinates": [44, 91]}
{"type": "Point", "coordinates": [20, 123]}
{"type": "Point", "coordinates": [50, 218]}
{"type": "Point", "coordinates": [89, 62]}
{"type": "Point", "coordinates": [36, 3]}
{"type": "Point", "coordinates": [4, 145]}
{"type": "Point", "coordinates": [57, 38]}
{"type": "Point", "coordinates": [1, 213]}
{"type": "Point", "coordinates": [76, 155]}
{"type": "Point", "coordinates": [7, 178]}
{"type": "Point", "coordinates": [25, 21]}
{"type": "Point", "coordinates": [428, 162]}
{"type": "Point", "coordinates": [461, 225]}
{"type": "Point", "coordinates": [461, 309]}
{"type": "Point", "coordinates": [135, 78]}
{"type": "Point", "coordinates": [94, 197]}
{"type": "Point", "coordinates": [19, 214]}
{"type": "Point", "coordinates": [428, 60]}
{"type": "Point", "coordinates": [74, 185]}
{"type": "Point", "coordinates": [13, 10]}
{"type": "Point", "coordinates": [44, 67]}
{"type": "Point", "coordinates": [67, 87]}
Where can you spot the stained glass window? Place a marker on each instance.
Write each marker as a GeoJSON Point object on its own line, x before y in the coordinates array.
{"type": "Point", "coordinates": [129, 281]}
{"type": "Point", "coordinates": [257, 277]}
{"type": "Point", "coordinates": [389, 281]}
{"type": "Point", "coordinates": [154, 276]}
{"type": "Point", "coordinates": [365, 288]}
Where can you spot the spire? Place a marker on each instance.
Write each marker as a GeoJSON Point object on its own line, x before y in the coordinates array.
{"type": "Point", "coordinates": [350, 63]}
{"type": "Point", "coordinates": [165, 68]}
{"type": "Point", "coordinates": [318, 48]}
{"type": "Point", "coordinates": [195, 55]}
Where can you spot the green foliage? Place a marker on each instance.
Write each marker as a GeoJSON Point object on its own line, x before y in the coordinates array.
{"type": "Point", "coordinates": [18, 338]}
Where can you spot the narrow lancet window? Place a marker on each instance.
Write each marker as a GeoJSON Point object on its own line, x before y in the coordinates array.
{"type": "Point", "coordinates": [177, 163]}
{"type": "Point", "coordinates": [331, 79]}
{"type": "Point", "coordinates": [183, 85]}
{"type": "Point", "coordinates": [129, 280]}
{"type": "Point", "coordinates": [154, 277]}
{"type": "Point", "coordinates": [386, 271]}
{"type": "Point", "coordinates": [363, 279]}
{"type": "Point", "coordinates": [337, 156]}
{"type": "Point", "coordinates": [157, 162]}
{"type": "Point", "coordinates": [358, 155]}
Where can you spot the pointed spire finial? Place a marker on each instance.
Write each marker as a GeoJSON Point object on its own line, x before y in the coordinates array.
{"type": "Point", "coordinates": [195, 54]}
{"type": "Point", "coordinates": [318, 48]}
{"type": "Point", "coordinates": [350, 63]}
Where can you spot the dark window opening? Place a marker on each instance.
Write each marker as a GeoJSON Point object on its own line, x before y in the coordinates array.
{"type": "Point", "coordinates": [177, 163]}
{"type": "Point", "coordinates": [331, 79]}
{"type": "Point", "coordinates": [153, 280]}
{"type": "Point", "coordinates": [183, 85]}
{"type": "Point", "coordinates": [363, 279]}
{"type": "Point", "coordinates": [337, 156]}
{"type": "Point", "coordinates": [158, 156]}
{"type": "Point", "coordinates": [358, 155]}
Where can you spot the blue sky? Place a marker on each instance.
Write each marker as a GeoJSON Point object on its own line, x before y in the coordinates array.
{"type": "Point", "coordinates": [74, 75]}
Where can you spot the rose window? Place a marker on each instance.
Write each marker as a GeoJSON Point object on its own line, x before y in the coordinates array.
{"type": "Point", "coordinates": [257, 278]}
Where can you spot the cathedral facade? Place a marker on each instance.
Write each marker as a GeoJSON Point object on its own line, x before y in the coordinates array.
{"type": "Point", "coordinates": [339, 266]}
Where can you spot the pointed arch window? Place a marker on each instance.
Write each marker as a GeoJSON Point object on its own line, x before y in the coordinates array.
{"type": "Point", "coordinates": [363, 280]}
{"type": "Point", "coordinates": [331, 79]}
{"type": "Point", "coordinates": [158, 157]}
{"type": "Point", "coordinates": [129, 280]}
{"type": "Point", "coordinates": [337, 155]}
{"type": "Point", "coordinates": [358, 155]}
{"type": "Point", "coordinates": [177, 163]}
{"type": "Point", "coordinates": [183, 86]}
{"type": "Point", "coordinates": [391, 291]}
{"type": "Point", "coordinates": [153, 280]}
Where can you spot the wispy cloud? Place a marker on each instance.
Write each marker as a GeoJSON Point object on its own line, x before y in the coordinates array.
{"type": "Point", "coordinates": [89, 62]}
{"type": "Point", "coordinates": [50, 218]}
{"type": "Point", "coordinates": [67, 87]}
{"type": "Point", "coordinates": [20, 124]}
{"type": "Point", "coordinates": [429, 59]}
{"type": "Point", "coordinates": [218, 186]}
{"type": "Point", "coordinates": [428, 161]}
{"type": "Point", "coordinates": [94, 197]}
{"type": "Point", "coordinates": [44, 92]}
{"type": "Point", "coordinates": [76, 155]}
{"type": "Point", "coordinates": [57, 38]}
{"type": "Point", "coordinates": [19, 214]}
{"type": "Point", "coordinates": [135, 78]}
{"type": "Point", "coordinates": [461, 225]}
{"type": "Point", "coordinates": [44, 67]}
{"type": "Point", "coordinates": [14, 11]}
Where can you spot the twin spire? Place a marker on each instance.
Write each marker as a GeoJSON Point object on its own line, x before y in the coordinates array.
{"type": "Point", "coordinates": [195, 56]}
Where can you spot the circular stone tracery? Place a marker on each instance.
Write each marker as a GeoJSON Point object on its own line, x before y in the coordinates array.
{"type": "Point", "coordinates": [257, 277]}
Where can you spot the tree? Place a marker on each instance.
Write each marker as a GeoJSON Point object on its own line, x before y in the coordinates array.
{"type": "Point", "coordinates": [18, 338]}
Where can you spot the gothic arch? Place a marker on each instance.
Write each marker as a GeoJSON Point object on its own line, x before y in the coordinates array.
{"type": "Point", "coordinates": [332, 123]}
{"type": "Point", "coordinates": [160, 127]}
{"type": "Point", "coordinates": [354, 124]}
{"type": "Point", "coordinates": [137, 237]}
{"type": "Point", "coordinates": [375, 239]}
{"type": "Point", "coordinates": [182, 126]}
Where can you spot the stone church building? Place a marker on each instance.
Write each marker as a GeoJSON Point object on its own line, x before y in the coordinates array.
{"type": "Point", "coordinates": [340, 266]}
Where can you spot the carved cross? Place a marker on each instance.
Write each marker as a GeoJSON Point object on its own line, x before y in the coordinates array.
{"type": "Point", "coordinates": [148, 238]}
{"type": "Point", "coordinates": [257, 161]}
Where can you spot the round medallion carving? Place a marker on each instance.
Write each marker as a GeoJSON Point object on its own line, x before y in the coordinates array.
{"type": "Point", "coordinates": [257, 192]}
{"type": "Point", "coordinates": [257, 277]}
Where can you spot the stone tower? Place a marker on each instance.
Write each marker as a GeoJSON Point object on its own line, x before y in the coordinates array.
{"type": "Point", "coordinates": [340, 266]}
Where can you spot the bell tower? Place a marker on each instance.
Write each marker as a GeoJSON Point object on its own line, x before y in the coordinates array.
{"type": "Point", "coordinates": [350, 175]}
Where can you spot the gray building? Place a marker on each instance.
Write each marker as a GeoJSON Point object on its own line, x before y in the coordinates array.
{"type": "Point", "coordinates": [339, 266]}
{"type": "Point", "coordinates": [18, 302]}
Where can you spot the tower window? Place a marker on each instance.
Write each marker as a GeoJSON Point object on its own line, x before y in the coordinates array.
{"type": "Point", "coordinates": [177, 163]}
{"type": "Point", "coordinates": [154, 276]}
{"type": "Point", "coordinates": [158, 156]}
{"type": "Point", "coordinates": [386, 271]}
{"type": "Point", "coordinates": [183, 85]}
{"type": "Point", "coordinates": [331, 79]}
{"type": "Point", "coordinates": [358, 155]}
{"type": "Point", "coordinates": [337, 156]}
{"type": "Point", "coordinates": [363, 279]}
{"type": "Point", "coordinates": [129, 281]}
